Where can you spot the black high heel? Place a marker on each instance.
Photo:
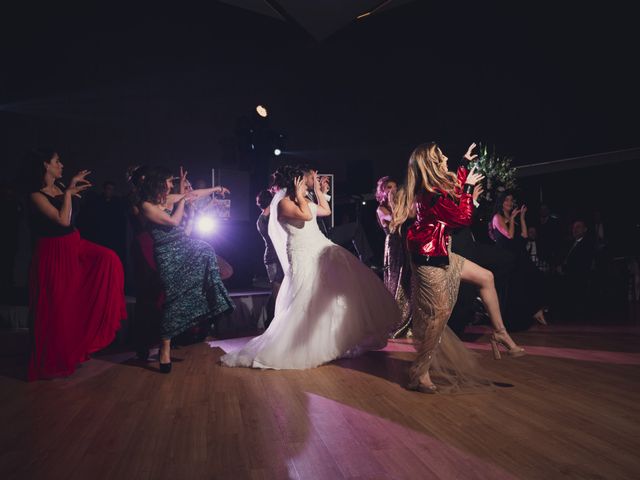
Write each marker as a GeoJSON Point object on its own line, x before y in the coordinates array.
{"type": "Point", "coordinates": [164, 367]}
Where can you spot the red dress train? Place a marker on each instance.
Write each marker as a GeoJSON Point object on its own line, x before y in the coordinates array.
{"type": "Point", "coordinates": [76, 297]}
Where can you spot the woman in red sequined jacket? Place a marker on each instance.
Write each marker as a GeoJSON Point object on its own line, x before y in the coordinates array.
{"type": "Point", "coordinates": [441, 201]}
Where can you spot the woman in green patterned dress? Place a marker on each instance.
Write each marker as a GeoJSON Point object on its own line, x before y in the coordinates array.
{"type": "Point", "coordinates": [187, 266]}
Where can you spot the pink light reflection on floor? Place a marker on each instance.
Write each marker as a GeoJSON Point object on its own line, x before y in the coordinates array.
{"type": "Point", "coordinates": [368, 446]}
{"type": "Point", "coordinates": [600, 356]}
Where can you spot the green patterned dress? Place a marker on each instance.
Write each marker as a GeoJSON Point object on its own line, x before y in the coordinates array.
{"type": "Point", "coordinates": [189, 271]}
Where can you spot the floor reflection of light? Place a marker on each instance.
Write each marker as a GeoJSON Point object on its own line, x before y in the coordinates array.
{"type": "Point", "coordinates": [586, 355]}
{"type": "Point", "coordinates": [352, 435]}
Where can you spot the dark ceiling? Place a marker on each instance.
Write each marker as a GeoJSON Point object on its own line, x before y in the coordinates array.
{"type": "Point", "coordinates": [110, 86]}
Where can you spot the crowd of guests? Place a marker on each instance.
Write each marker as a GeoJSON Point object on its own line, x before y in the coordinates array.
{"type": "Point", "coordinates": [513, 275]}
{"type": "Point", "coordinates": [540, 265]}
{"type": "Point", "coordinates": [76, 287]}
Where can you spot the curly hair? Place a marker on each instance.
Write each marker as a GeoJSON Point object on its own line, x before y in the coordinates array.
{"type": "Point", "coordinates": [154, 187]}
{"type": "Point", "coordinates": [284, 177]}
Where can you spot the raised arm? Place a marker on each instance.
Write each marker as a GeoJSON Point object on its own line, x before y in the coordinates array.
{"type": "Point", "coordinates": [452, 214]}
{"type": "Point", "coordinates": [458, 214]}
{"type": "Point", "coordinates": [205, 192]}
{"type": "Point", "coordinates": [524, 231]}
{"type": "Point", "coordinates": [62, 216]}
{"type": "Point", "coordinates": [160, 217]}
{"type": "Point", "coordinates": [297, 209]}
{"type": "Point", "coordinates": [319, 186]}
{"type": "Point", "coordinates": [463, 170]}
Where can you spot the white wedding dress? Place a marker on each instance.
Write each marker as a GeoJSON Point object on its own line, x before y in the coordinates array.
{"type": "Point", "coordinates": [329, 306]}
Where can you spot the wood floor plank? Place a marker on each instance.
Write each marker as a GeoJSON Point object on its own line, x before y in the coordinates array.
{"type": "Point", "coordinates": [565, 415]}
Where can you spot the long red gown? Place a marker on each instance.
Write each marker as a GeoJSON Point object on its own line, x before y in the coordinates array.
{"type": "Point", "coordinates": [76, 298]}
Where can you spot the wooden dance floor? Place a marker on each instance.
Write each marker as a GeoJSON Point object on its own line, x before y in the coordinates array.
{"type": "Point", "coordinates": [572, 411]}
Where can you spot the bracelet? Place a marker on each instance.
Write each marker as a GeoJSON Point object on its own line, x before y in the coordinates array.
{"type": "Point", "coordinates": [468, 188]}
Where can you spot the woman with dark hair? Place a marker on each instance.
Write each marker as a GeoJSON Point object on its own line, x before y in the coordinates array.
{"type": "Point", "coordinates": [271, 262]}
{"type": "Point", "coordinates": [330, 305]}
{"type": "Point", "coordinates": [524, 293]}
{"type": "Point", "coordinates": [187, 266]}
{"type": "Point", "coordinates": [149, 292]}
{"type": "Point", "coordinates": [76, 288]}
{"type": "Point", "coordinates": [396, 266]}
{"type": "Point", "coordinates": [441, 201]}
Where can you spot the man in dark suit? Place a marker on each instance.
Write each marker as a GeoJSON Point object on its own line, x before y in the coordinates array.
{"type": "Point", "coordinates": [576, 269]}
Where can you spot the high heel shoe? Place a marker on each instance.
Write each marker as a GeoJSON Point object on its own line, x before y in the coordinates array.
{"type": "Point", "coordinates": [539, 317]}
{"type": "Point", "coordinates": [513, 351]}
{"type": "Point", "coordinates": [422, 388]}
{"type": "Point", "coordinates": [164, 367]}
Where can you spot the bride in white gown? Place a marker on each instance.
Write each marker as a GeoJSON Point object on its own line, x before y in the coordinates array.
{"type": "Point", "coordinates": [330, 305]}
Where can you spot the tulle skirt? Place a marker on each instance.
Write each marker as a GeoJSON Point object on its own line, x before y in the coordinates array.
{"type": "Point", "coordinates": [452, 367]}
{"type": "Point", "coordinates": [329, 306]}
{"type": "Point", "coordinates": [76, 297]}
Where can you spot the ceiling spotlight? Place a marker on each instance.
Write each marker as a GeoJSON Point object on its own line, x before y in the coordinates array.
{"type": "Point", "coordinates": [277, 152]}
{"type": "Point", "coordinates": [262, 111]}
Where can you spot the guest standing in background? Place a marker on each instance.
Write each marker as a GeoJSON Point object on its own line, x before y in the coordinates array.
{"type": "Point", "coordinates": [271, 262]}
{"type": "Point", "coordinates": [396, 265]}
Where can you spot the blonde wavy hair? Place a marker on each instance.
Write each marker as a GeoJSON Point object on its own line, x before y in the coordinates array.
{"type": "Point", "coordinates": [424, 172]}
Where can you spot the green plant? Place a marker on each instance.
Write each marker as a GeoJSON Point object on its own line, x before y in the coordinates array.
{"type": "Point", "coordinates": [498, 171]}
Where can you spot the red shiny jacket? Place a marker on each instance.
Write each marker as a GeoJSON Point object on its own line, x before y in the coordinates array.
{"type": "Point", "coordinates": [436, 215]}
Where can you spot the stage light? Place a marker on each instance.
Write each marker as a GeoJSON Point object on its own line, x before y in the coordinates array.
{"type": "Point", "coordinates": [262, 111]}
{"type": "Point", "coordinates": [364, 203]}
{"type": "Point", "coordinates": [277, 152]}
{"type": "Point", "coordinates": [206, 224]}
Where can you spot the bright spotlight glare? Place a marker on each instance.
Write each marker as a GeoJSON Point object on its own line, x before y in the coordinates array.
{"type": "Point", "coordinates": [364, 203]}
{"type": "Point", "coordinates": [277, 152]}
{"type": "Point", "coordinates": [206, 224]}
{"type": "Point", "coordinates": [262, 111]}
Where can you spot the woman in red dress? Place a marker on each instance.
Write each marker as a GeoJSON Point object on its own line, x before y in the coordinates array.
{"type": "Point", "coordinates": [76, 288]}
